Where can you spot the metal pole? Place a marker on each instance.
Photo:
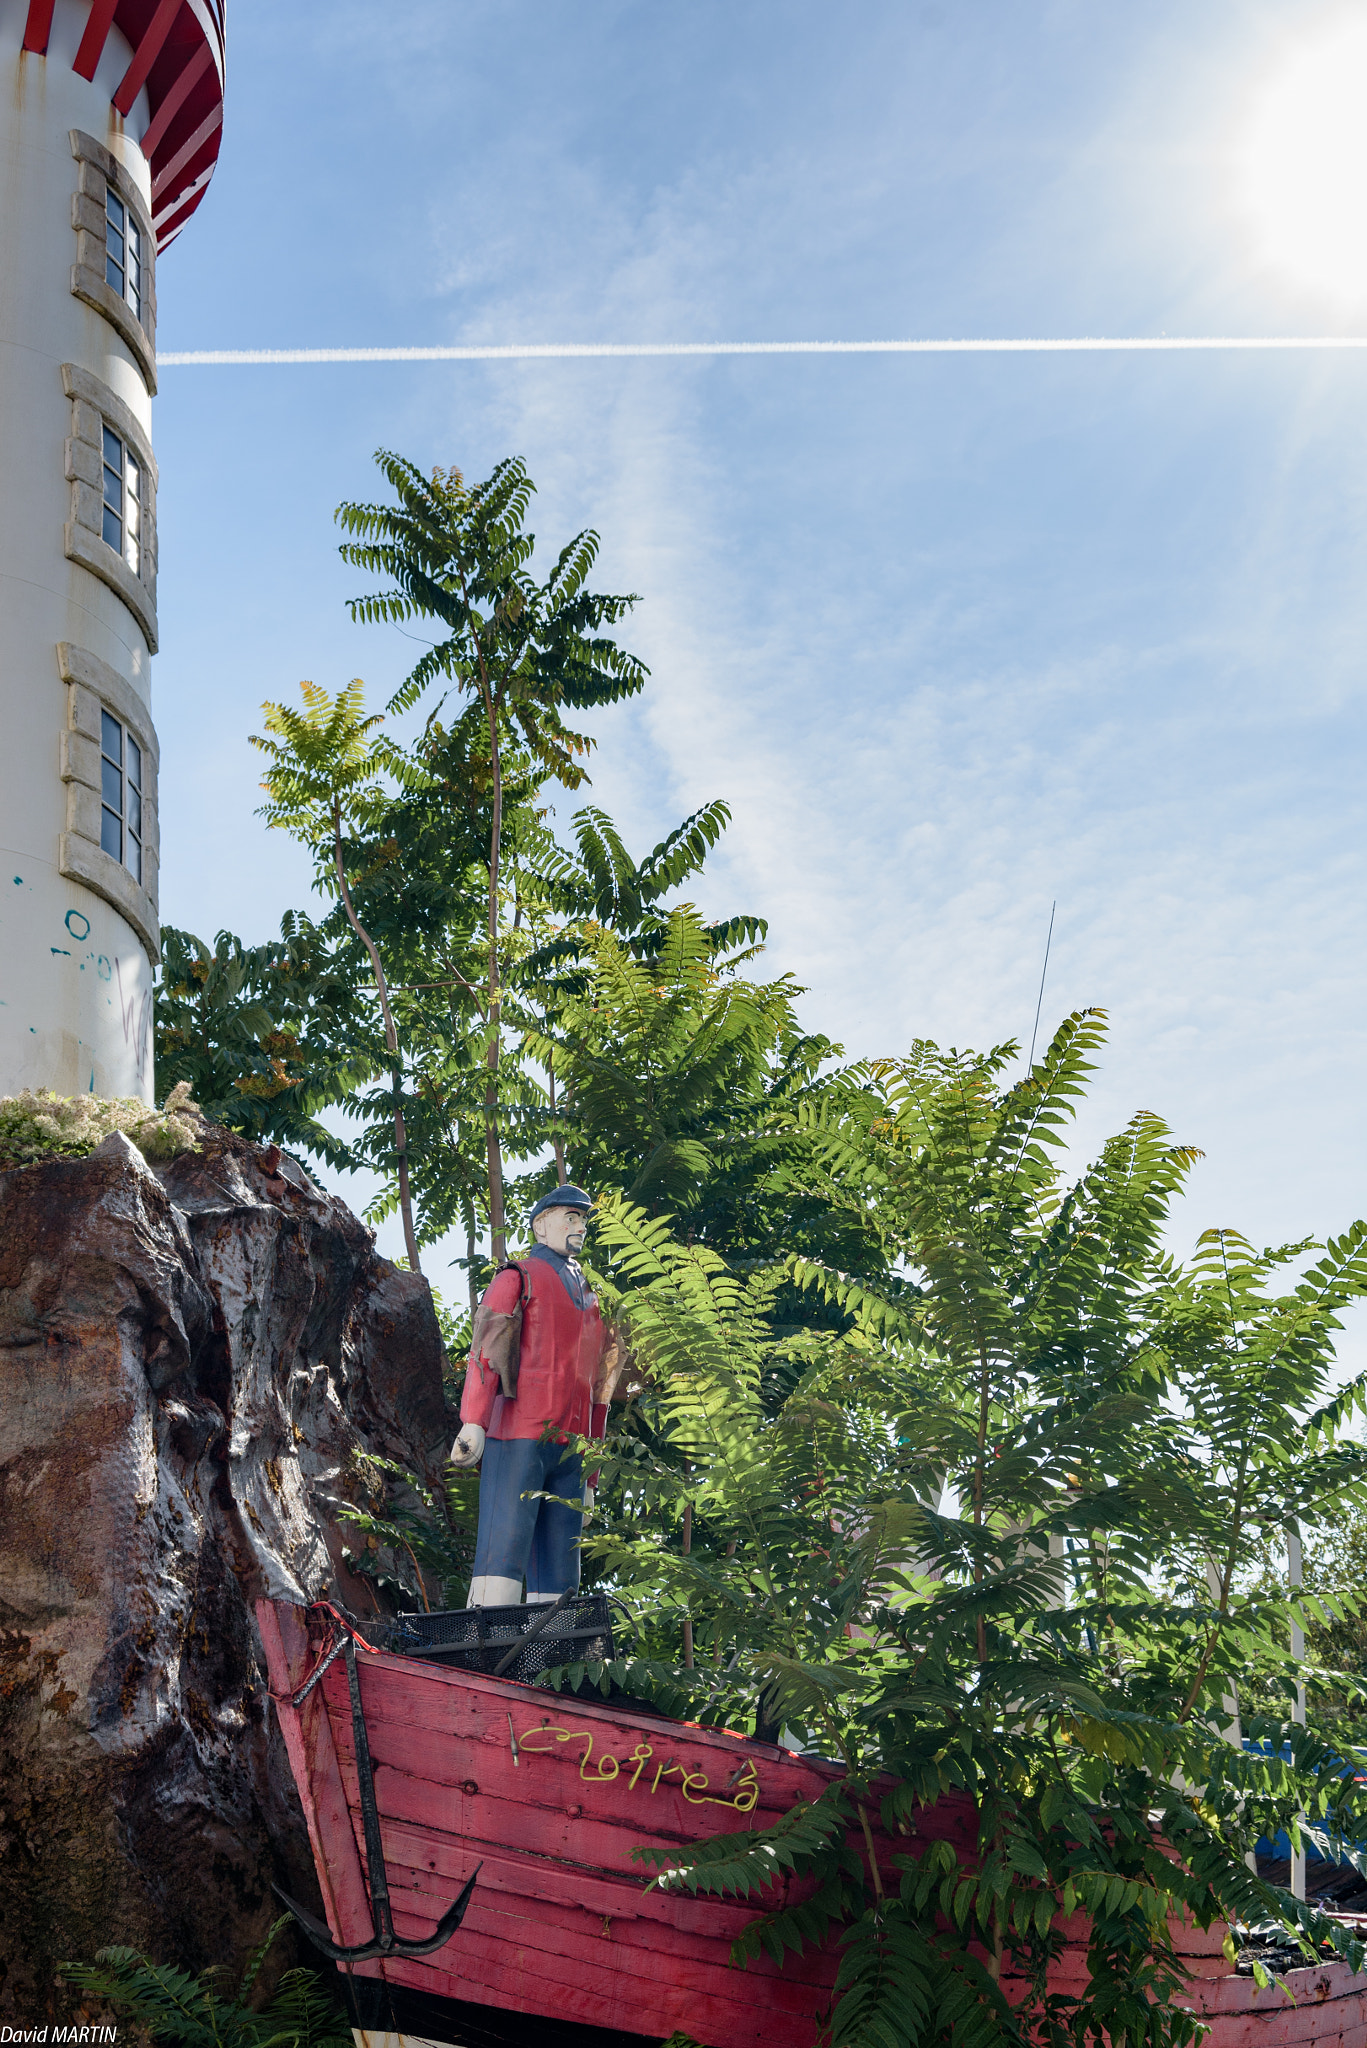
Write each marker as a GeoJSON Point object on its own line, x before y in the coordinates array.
{"type": "Point", "coordinates": [1234, 1730]}
{"type": "Point", "coordinates": [1294, 1579]}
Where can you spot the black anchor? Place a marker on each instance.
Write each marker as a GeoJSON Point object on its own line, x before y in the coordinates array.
{"type": "Point", "coordinates": [384, 1942]}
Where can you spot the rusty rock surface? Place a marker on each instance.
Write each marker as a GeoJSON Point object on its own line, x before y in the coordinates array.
{"type": "Point", "coordinates": [191, 1357]}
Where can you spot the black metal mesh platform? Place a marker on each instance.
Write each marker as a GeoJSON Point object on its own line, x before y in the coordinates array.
{"type": "Point", "coordinates": [487, 1638]}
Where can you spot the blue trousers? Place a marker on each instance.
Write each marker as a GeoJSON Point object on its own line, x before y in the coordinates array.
{"type": "Point", "coordinates": [533, 1539]}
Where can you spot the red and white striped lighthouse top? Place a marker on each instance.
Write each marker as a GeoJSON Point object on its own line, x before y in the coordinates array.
{"type": "Point", "coordinates": [178, 55]}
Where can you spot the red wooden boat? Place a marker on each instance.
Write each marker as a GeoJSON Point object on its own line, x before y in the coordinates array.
{"type": "Point", "coordinates": [547, 1796]}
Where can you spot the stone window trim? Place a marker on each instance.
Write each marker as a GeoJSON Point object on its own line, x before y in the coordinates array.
{"type": "Point", "coordinates": [93, 686]}
{"type": "Point", "coordinates": [93, 406]}
{"type": "Point", "coordinates": [98, 171]}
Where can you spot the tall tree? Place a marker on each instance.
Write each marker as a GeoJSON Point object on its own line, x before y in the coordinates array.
{"type": "Point", "coordinates": [324, 781]}
{"type": "Point", "coordinates": [520, 651]}
{"type": "Point", "coordinates": [422, 880]}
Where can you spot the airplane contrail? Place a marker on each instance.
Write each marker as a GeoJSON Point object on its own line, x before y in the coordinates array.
{"type": "Point", "coordinates": [543, 351]}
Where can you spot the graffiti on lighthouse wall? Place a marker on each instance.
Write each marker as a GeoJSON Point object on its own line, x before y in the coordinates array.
{"type": "Point", "coordinates": [136, 1012]}
{"type": "Point", "coordinates": [89, 1031]}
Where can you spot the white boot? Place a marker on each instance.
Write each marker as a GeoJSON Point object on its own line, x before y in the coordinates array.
{"type": "Point", "coordinates": [493, 1592]}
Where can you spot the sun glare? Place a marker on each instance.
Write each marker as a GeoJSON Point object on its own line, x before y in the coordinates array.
{"type": "Point", "coordinates": [1303, 164]}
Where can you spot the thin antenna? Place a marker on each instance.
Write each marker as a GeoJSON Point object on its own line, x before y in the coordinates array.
{"type": "Point", "coordinates": [1044, 970]}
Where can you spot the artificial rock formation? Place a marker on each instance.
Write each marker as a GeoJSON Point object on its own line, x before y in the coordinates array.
{"type": "Point", "coordinates": [191, 1358]}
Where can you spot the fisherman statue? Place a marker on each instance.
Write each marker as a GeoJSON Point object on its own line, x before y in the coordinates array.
{"type": "Point", "coordinates": [542, 1370]}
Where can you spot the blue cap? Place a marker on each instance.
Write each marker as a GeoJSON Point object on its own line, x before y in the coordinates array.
{"type": "Point", "coordinates": [568, 1197]}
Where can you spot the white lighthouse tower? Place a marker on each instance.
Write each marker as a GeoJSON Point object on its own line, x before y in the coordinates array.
{"type": "Point", "coordinates": [110, 119]}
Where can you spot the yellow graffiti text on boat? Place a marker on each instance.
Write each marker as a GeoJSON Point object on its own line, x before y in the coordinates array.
{"type": "Point", "coordinates": [741, 1795]}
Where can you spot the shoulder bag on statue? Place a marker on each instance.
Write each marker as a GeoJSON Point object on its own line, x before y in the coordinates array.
{"type": "Point", "coordinates": [498, 1338]}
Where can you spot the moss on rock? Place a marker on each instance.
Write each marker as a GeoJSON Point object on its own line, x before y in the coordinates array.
{"type": "Point", "coordinates": [40, 1124]}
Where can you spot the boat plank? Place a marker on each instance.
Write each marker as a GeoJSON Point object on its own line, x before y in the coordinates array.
{"type": "Point", "coordinates": [414, 1689]}
{"type": "Point", "coordinates": [553, 1931]}
{"type": "Point", "coordinates": [590, 1923]}
{"type": "Point", "coordinates": [1326, 1986]}
{"type": "Point", "coordinates": [1235, 1994]}
{"type": "Point", "coordinates": [503, 1968]}
{"type": "Point", "coordinates": [428, 1856]}
{"type": "Point", "coordinates": [1190, 1941]}
{"type": "Point", "coordinates": [1069, 1972]}
{"type": "Point", "coordinates": [1315, 2025]}
{"type": "Point", "coordinates": [312, 1754]}
{"type": "Point", "coordinates": [483, 1985]}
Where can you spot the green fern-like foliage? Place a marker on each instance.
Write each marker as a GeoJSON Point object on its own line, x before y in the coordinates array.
{"type": "Point", "coordinates": [263, 1037]}
{"type": "Point", "coordinates": [659, 1052]}
{"type": "Point", "coordinates": [994, 1536]}
{"type": "Point", "coordinates": [205, 2011]}
{"type": "Point", "coordinates": [457, 553]}
{"type": "Point", "coordinates": [597, 882]}
{"type": "Point", "coordinates": [749, 1861]}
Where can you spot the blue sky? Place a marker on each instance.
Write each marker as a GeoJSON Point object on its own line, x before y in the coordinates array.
{"type": "Point", "coordinates": [955, 636]}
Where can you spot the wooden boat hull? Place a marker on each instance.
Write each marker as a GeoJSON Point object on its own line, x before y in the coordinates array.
{"type": "Point", "coordinates": [549, 1796]}
{"type": "Point", "coordinates": [562, 1922]}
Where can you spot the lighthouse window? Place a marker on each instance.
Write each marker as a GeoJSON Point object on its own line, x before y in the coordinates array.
{"type": "Point", "coordinates": [120, 795]}
{"type": "Point", "coordinates": [123, 252]}
{"type": "Point", "coordinates": [122, 499]}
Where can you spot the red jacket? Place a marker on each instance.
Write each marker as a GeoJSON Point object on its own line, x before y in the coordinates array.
{"type": "Point", "coordinates": [561, 1353]}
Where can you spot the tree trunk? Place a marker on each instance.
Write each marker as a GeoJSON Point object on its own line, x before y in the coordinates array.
{"type": "Point", "coordinates": [470, 1249]}
{"type": "Point", "coordinates": [557, 1142]}
{"type": "Point", "coordinates": [688, 1619]}
{"type": "Point", "coordinates": [391, 1038]}
{"type": "Point", "coordinates": [498, 1224]}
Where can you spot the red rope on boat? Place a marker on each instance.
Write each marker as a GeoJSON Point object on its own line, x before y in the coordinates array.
{"type": "Point", "coordinates": [326, 1607]}
{"type": "Point", "coordinates": [329, 1651]}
